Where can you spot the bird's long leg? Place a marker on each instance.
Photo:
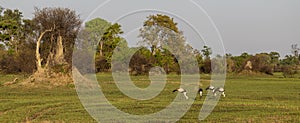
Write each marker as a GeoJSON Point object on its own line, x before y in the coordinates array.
{"type": "Point", "coordinates": [215, 94]}
{"type": "Point", "coordinates": [223, 93]}
{"type": "Point", "coordinates": [184, 93]}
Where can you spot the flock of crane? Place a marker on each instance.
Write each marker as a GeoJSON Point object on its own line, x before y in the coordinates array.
{"type": "Point", "coordinates": [200, 91]}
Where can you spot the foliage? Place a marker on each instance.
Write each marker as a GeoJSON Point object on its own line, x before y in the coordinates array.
{"type": "Point", "coordinates": [163, 44]}
{"type": "Point", "coordinates": [64, 24]}
{"type": "Point", "coordinates": [288, 71]}
{"type": "Point", "coordinates": [11, 28]}
{"type": "Point", "coordinates": [167, 44]}
{"type": "Point", "coordinates": [261, 63]}
{"type": "Point", "coordinates": [122, 54]}
{"type": "Point", "coordinates": [206, 52]}
{"type": "Point", "coordinates": [140, 62]}
{"type": "Point", "coordinates": [17, 54]}
{"type": "Point", "coordinates": [105, 37]}
{"type": "Point", "coordinates": [218, 64]}
{"type": "Point", "coordinates": [289, 60]}
{"type": "Point", "coordinates": [157, 31]}
{"type": "Point", "coordinates": [95, 29]}
{"type": "Point", "coordinates": [111, 40]}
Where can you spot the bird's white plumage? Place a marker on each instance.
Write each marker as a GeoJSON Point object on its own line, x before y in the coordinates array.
{"type": "Point", "coordinates": [221, 90]}
{"type": "Point", "coordinates": [210, 87]}
{"type": "Point", "coordinates": [181, 90]}
{"type": "Point", "coordinates": [200, 93]}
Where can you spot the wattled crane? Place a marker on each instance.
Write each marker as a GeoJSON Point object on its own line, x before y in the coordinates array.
{"type": "Point", "coordinates": [181, 90]}
{"type": "Point", "coordinates": [200, 91]}
{"type": "Point", "coordinates": [215, 90]}
{"type": "Point", "coordinates": [219, 89]}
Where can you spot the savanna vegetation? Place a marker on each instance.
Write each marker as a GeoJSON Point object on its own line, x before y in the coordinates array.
{"type": "Point", "coordinates": [43, 46]}
{"type": "Point", "coordinates": [36, 64]}
{"type": "Point", "coordinates": [248, 99]}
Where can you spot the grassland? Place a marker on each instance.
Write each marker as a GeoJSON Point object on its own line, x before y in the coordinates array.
{"type": "Point", "coordinates": [249, 99]}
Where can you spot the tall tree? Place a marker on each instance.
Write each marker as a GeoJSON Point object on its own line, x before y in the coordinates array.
{"type": "Point", "coordinates": [275, 60]}
{"type": "Point", "coordinates": [157, 30]}
{"type": "Point", "coordinates": [96, 29]}
{"type": "Point", "coordinates": [166, 42]}
{"type": "Point", "coordinates": [295, 51]}
{"type": "Point", "coordinates": [57, 29]}
{"type": "Point", "coordinates": [289, 60]}
{"type": "Point", "coordinates": [16, 37]}
{"type": "Point", "coordinates": [274, 57]}
{"type": "Point", "coordinates": [111, 38]}
{"type": "Point", "coordinates": [206, 51]}
{"type": "Point", "coordinates": [105, 37]}
{"type": "Point", "coordinates": [11, 26]}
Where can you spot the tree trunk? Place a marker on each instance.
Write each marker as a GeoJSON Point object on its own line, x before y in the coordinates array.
{"type": "Point", "coordinates": [49, 59]}
{"type": "Point", "coordinates": [101, 48]}
{"type": "Point", "coordinates": [167, 68]}
{"type": "Point", "coordinates": [37, 51]}
{"type": "Point", "coordinates": [59, 56]}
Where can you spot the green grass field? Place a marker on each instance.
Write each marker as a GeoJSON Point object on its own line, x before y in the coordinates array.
{"type": "Point", "coordinates": [248, 99]}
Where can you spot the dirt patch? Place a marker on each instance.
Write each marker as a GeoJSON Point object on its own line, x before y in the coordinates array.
{"type": "Point", "coordinates": [42, 112]}
{"type": "Point", "coordinates": [49, 81]}
{"type": "Point", "coordinates": [15, 81]}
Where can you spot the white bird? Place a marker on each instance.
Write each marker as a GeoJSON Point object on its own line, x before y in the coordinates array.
{"type": "Point", "coordinates": [181, 90]}
{"type": "Point", "coordinates": [219, 89]}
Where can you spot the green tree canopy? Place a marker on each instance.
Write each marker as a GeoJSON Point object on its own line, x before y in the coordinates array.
{"type": "Point", "coordinates": [95, 30]}
{"type": "Point", "coordinates": [166, 42]}
{"type": "Point", "coordinates": [11, 27]}
{"type": "Point", "coordinates": [158, 31]}
{"type": "Point", "coordinates": [104, 36]}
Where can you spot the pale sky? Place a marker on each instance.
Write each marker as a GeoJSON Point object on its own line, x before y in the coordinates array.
{"type": "Point", "coordinates": [251, 26]}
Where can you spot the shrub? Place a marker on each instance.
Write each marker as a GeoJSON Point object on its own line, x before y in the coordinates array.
{"type": "Point", "coordinates": [288, 71]}
{"type": "Point", "coordinates": [267, 69]}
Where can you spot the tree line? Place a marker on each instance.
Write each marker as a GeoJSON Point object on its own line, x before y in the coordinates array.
{"type": "Point", "coordinates": [44, 45]}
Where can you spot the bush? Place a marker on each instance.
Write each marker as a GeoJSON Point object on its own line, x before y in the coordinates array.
{"type": "Point", "coordinates": [267, 69]}
{"type": "Point", "coordinates": [206, 67]}
{"type": "Point", "coordinates": [288, 71]}
{"type": "Point", "coordinates": [140, 64]}
{"type": "Point", "coordinates": [102, 64]}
